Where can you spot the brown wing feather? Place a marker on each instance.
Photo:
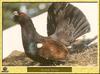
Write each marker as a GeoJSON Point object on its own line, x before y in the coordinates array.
{"type": "Point", "coordinates": [70, 23]}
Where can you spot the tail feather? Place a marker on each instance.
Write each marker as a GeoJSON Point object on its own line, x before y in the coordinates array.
{"type": "Point", "coordinates": [72, 24]}
{"type": "Point", "coordinates": [79, 22]}
{"type": "Point", "coordinates": [80, 29]}
{"type": "Point", "coordinates": [81, 32]}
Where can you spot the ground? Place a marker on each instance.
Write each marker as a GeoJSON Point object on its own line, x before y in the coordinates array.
{"type": "Point", "coordinates": [87, 57]}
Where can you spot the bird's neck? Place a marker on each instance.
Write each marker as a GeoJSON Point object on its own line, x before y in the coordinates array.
{"type": "Point", "coordinates": [29, 30]}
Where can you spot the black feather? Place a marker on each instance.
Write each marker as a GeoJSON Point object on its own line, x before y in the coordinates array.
{"type": "Point", "coordinates": [68, 24]}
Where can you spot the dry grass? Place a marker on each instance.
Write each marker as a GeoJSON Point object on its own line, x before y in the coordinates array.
{"type": "Point", "coordinates": [87, 57]}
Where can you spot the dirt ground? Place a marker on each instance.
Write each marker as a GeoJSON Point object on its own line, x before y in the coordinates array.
{"type": "Point", "coordinates": [87, 57]}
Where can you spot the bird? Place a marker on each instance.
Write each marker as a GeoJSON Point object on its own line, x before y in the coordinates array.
{"type": "Point", "coordinates": [39, 48]}
{"type": "Point", "coordinates": [65, 25]}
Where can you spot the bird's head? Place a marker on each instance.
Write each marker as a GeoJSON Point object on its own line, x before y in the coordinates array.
{"type": "Point", "coordinates": [20, 17]}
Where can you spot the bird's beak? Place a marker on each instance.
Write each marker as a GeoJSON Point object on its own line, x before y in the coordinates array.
{"type": "Point", "coordinates": [15, 13]}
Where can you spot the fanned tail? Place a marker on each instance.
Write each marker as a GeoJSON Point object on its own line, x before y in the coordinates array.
{"type": "Point", "coordinates": [71, 24]}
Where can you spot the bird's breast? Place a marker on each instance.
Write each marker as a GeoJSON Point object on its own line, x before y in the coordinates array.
{"type": "Point", "coordinates": [32, 48]}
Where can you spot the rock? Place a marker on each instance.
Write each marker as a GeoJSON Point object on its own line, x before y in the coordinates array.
{"type": "Point", "coordinates": [17, 58]}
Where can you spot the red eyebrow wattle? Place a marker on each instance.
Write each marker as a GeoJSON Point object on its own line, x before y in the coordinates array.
{"type": "Point", "coordinates": [22, 14]}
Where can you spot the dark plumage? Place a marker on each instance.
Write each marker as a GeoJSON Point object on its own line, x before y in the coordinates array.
{"type": "Point", "coordinates": [65, 24]}
{"type": "Point", "coordinates": [81, 45]}
{"type": "Point", "coordinates": [50, 51]}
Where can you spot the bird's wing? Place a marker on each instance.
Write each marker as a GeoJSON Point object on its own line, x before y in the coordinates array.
{"type": "Point", "coordinates": [70, 24]}
{"type": "Point", "coordinates": [51, 26]}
